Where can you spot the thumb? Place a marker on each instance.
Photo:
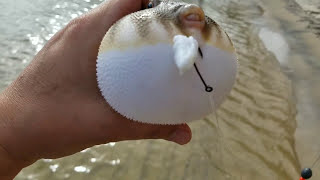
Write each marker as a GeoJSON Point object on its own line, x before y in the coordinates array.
{"type": "Point", "coordinates": [181, 135]}
{"type": "Point", "coordinates": [131, 130]}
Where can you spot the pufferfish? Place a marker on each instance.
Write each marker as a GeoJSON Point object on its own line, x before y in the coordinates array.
{"type": "Point", "coordinates": [166, 64]}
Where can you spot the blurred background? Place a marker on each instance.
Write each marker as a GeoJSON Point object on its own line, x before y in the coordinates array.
{"type": "Point", "coordinates": [268, 128]}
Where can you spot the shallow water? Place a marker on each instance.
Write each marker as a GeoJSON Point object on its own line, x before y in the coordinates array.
{"type": "Point", "coordinates": [266, 129]}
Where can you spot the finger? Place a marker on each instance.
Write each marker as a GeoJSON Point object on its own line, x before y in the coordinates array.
{"type": "Point", "coordinates": [90, 28]}
{"type": "Point", "coordinates": [182, 135]}
{"type": "Point", "coordinates": [107, 13]}
{"type": "Point", "coordinates": [131, 130]}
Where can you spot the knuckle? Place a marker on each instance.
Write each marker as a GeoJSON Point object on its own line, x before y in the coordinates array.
{"type": "Point", "coordinates": [76, 28]}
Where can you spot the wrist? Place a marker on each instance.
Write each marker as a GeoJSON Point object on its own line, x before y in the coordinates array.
{"type": "Point", "coordinates": [8, 167]}
{"type": "Point", "coordinates": [10, 163]}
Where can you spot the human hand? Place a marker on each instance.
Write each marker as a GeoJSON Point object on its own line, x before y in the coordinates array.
{"type": "Point", "coordinates": [54, 108]}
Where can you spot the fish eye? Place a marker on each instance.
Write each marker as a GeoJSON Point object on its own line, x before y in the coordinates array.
{"type": "Point", "coordinates": [150, 5]}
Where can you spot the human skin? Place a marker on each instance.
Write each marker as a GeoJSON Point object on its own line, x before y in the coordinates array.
{"type": "Point", "coordinates": [54, 108]}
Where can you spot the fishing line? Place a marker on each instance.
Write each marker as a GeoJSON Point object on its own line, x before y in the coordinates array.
{"type": "Point", "coordinates": [306, 173]}
{"type": "Point", "coordinates": [316, 161]}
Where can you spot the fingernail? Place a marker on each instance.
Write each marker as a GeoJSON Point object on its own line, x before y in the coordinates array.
{"type": "Point", "coordinates": [180, 136]}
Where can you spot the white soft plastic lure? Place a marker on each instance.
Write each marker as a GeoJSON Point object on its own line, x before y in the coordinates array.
{"type": "Point", "coordinates": [185, 52]}
{"type": "Point", "coordinates": [161, 65]}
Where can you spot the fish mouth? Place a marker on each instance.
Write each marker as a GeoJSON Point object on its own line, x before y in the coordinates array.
{"type": "Point", "coordinates": [192, 16]}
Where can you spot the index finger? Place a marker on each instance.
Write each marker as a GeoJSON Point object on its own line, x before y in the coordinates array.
{"type": "Point", "coordinates": [107, 13]}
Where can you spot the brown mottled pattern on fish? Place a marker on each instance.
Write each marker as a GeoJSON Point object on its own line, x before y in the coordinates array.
{"type": "Point", "coordinates": [167, 26]}
{"type": "Point", "coordinates": [142, 23]}
{"type": "Point", "coordinates": [113, 31]}
{"type": "Point", "coordinates": [159, 25]}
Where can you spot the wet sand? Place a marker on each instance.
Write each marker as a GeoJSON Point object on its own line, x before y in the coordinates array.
{"type": "Point", "coordinates": [303, 70]}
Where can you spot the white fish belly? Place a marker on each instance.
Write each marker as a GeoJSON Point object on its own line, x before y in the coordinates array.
{"type": "Point", "coordinates": [144, 84]}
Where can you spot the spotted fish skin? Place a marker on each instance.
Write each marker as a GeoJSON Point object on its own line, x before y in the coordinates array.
{"type": "Point", "coordinates": [159, 25]}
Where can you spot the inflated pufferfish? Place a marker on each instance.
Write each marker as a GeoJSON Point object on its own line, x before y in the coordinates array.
{"type": "Point", "coordinates": [162, 65]}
